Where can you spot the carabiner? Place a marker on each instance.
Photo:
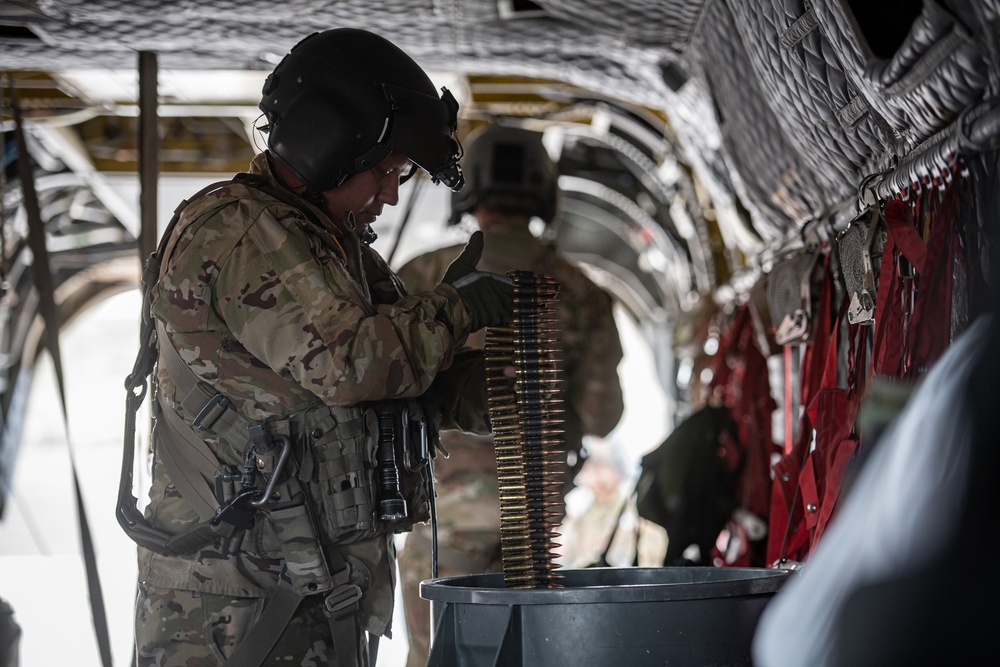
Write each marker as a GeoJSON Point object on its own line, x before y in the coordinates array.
{"type": "Point", "coordinates": [286, 448]}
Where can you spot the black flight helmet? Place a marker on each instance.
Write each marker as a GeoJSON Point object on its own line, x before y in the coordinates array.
{"type": "Point", "coordinates": [341, 100]}
{"type": "Point", "coordinates": [508, 170]}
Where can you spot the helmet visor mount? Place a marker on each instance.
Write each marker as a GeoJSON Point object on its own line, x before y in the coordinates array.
{"type": "Point", "coordinates": [422, 128]}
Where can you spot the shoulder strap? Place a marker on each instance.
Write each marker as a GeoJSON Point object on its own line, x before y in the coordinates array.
{"type": "Point", "coordinates": [212, 410]}
{"type": "Point", "coordinates": [129, 517]}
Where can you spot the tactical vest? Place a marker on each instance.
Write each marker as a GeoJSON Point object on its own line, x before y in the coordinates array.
{"type": "Point", "coordinates": [324, 475]}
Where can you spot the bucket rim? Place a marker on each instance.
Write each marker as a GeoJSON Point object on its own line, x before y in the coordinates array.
{"type": "Point", "coordinates": [610, 585]}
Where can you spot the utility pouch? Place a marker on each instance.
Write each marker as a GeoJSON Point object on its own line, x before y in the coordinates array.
{"type": "Point", "coordinates": [342, 445]}
{"type": "Point", "coordinates": [349, 473]}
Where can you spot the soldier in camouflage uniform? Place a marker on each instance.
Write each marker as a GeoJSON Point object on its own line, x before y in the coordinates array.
{"type": "Point", "coordinates": [511, 179]}
{"type": "Point", "coordinates": [302, 338]}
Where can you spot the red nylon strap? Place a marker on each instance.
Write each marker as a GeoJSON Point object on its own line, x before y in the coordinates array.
{"type": "Point", "coordinates": [858, 373]}
{"type": "Point", "coordinates": [828, 378]}
{"type": "Point", "coordinates": [814, 375]}
{"type": "Point", "coordinates": [784, 541]}
{"type": "Point", "coordinates": [797, 540]}
{"type": "Point", "coordinates": [785, 510]}
{"type": "Point", "coordinates": [836, 408]}
{"type": "Point", "coordinates": [810, 494]}
{"type": "Point", "coordinates": [781, 499]}
{"type": "Point", "coordinates": [834, 482]}
{"type": "Point", "coordinates": [789, 430]}
{"type": "Point", "coordinates": [932, 312]}
{"type": "Point", "coordinates": [887, 348]}
{"type": "Point", "coordinates": [905, 235]}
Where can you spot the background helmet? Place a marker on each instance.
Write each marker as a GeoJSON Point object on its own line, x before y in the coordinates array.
{"type": "Point", "coordinates": [509, 170]}
{"type": "Point", "coordinates": [341, 100]}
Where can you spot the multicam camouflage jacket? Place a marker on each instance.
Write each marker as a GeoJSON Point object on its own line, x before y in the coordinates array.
{"type": "Point", "coordinates": [274, 305]}
{"type": "Point", "coordinates": [588, 353]}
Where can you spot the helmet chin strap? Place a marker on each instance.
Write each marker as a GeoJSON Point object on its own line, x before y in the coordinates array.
{"type": "Point", "coordinates": [367, 236]}
{"type": "Point", "coordinates": [316, 199]}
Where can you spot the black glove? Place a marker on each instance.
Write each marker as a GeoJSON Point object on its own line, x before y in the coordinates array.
{"type": "Point", "coordinates": [489, 296]}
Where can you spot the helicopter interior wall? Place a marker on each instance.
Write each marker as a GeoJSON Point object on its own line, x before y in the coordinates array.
{"type": "Point", "coordinates": [740, 133]}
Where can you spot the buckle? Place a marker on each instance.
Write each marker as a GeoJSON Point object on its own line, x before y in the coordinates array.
{"type": "Point", "coordinates": [342, 601]}
{"type": "Point", "coordinates": [210, 413]}
{"type": "Point", "coordinates": [235, 510]}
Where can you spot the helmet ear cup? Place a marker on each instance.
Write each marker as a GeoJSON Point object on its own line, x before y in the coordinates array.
{"type": "Point", "coordinates": [317, 139]}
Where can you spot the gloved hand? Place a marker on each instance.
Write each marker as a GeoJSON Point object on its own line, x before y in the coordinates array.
{"type": "Point", "coordinates": [489, 296]}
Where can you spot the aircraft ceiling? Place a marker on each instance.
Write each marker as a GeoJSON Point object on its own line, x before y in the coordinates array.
{"type": "Point", "coordinates": [742, 127]}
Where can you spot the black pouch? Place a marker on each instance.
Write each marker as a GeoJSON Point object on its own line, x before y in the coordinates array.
{"type": "Point", "coordinates": [686, 486]}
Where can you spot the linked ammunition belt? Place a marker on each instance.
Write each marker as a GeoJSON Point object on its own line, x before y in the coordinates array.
{"type": "Point", "coordinates": [525, 413]}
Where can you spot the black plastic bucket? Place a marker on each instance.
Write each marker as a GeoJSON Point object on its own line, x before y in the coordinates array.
{"type": "Point", "coordinates": [623, 617]}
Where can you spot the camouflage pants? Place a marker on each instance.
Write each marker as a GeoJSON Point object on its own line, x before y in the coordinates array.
{"type": "Point", "coordinates": [463, 552]}
{"type": "Point", "coordinates": [178, 628]}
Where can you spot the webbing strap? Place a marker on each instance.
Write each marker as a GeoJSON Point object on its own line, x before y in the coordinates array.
{"type": "Point", "coordinates": [345, 640]}
{"type": "Point", "coordinates": [129, 517]}
{"type": "Point", "coordinates": [192, 467]}
{"type": "Point", "coordinates": [340, 606]}
{"type": "Point", "coordinates": [186, 459]}
{"type": "Point", "coordinates": [211, 409]}
{"type": "Point", "coordinates": [264, 634]}
{"type": "Point", "coordinates": [191, 464]}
